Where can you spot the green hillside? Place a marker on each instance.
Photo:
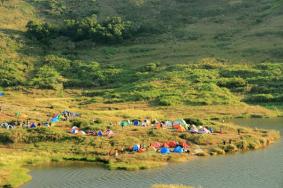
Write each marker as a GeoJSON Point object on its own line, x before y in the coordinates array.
{"type": "Point", "coordinates": [165, 52]}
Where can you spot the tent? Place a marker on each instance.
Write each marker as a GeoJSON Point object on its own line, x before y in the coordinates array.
{"type": "Point", "coordinates": [180, 122]}
{"type": "Point", "coordinates": [136, 148]}
{"type": "Point", "coordinates": [166, 145]}
{"type": "Point", "coordinates": [136, 122]}
{"type": "Point", "coordinates": [181, 129]}
{"type": "Point", "coordinates": [124, 123]}
{"type": "Point", "coordinates": [146, 122]}
{"type": "Point", "coordinates": [194, 129]}
{"type": "Point", "coordinates": [99, 133]}
{"type": "Point", "coordinates": [158, 125]}
{"type": "Point", "coordinates": [168, 123]}
{"type": "Point", "coordinates": [178, 149]}
{"type": "Point", "coordinates": [203, 130]}
{"type": "Point", "coordinates": [1, 94]}
{"type": "Point", "coordinates": [184, 144]}
{"type": "Point", "coordinates": [56, 118]}
{"type": "Point", "coordinates": [75, 130]}
{"type": "Point", "coordinates": [156, 144]}
{"type": "Point", "coordinates": [164, 150]}
{"type": "Point", "coordinates": [33, 125]}
{"type": "Point", "coordinates": [171, 144]}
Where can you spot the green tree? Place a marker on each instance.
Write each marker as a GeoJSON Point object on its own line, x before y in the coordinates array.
{"type": "Point", "coordinates": [47, 78]}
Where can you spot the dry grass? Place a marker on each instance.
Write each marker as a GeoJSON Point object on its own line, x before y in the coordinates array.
{"type": "Point", "coordinates": [37, 105]}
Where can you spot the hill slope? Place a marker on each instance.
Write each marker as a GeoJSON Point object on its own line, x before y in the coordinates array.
{"type": "Point", "coordinates": [142, 67]}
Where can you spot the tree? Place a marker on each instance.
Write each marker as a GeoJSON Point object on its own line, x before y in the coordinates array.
{"type": "Point", "coordinates": [42, 32]}
{"type": "Point", "coordinates": [47, 78]}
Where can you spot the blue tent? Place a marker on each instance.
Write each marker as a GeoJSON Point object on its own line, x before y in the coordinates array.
{"type": "Point", "coordinates": [164, 150]}
{"type": "Point", "coordinates": [55, 119]}
{"type": "Point", "coordinates": [136, 122]}
{"type": "Point", "coordinates": [136, 147]}
{"type": "Point", "coordinates": [1, 94]}
{"type": "Point", "coordinates": [33, 125]}
{"type": "Point", "coordinates": [99, 133]}
{"type": "Point", "coordinates": [178, 149]}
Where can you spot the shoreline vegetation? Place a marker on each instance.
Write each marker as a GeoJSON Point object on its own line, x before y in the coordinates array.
{"type": "Point", "coordinates": [23, 148]}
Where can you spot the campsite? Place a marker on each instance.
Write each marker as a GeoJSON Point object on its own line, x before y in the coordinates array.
{"type": "Point", "coordinates": [119, 143]}
{"type": "Point", "coordinates": [141, 93]}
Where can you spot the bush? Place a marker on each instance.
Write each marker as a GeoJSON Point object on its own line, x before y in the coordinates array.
{"type": "Point", "coordinates": [169, 100]}
{"type": "Point", "coordinates": [111, 30]}
{"type": "Point", "coordinates": [192, 121]}
{"type": "Point", "coordinates": [56, 62]}
{"type": "Point", "coordinates": [259, 98]}
{"type": "Point", "coordinates": [47, 78]}
{"type": "Point", "coordinates": [80, 123]}
{"type": "Point", "coordinates": [150, 67]}
{"type": "Point", "coordinates": [11, 74]}
{"type": "Point", "coordinates": [232, 83]}
{"type": "Point", "coordinates": [5, 138]}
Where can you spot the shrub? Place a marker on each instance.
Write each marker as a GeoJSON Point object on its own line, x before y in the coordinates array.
{"type": "Point", "coordinates": [11, 74]}
{"type": "Point", "coordinates": [56, 62]}
{"type": "Point", "coordinates": [259, 98]}
{"type": "Point", "coordinates": [80, 123]}
{"type": "Point", "coordinates": [5, 138]}
{"type": "Point", "coordinates": [191, 121]}
{"type": "Point", "coordinates": [113, 29]}
{"type": "Point", "coordinates": [232, 83]}
{"type": "Point", "coordinates": [168, 100]}
{"type": "Point", "coordinates": [150, 67]}
{"type": "Point", "coordinates": [47, 78]}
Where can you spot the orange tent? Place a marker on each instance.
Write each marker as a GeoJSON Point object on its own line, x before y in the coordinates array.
{"type": "Point", "coordinates": [181, 129]}
{"type": "Point", "coordinates": [171, 144]}
{"type": "Point", "coordinates": [184, 144]}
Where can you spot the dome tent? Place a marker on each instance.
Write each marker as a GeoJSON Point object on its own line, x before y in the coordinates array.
{"type": "Point", "coordinates": [164, 150]}
{"type": "Point", "coordinates": [136, 122]}
{"type": "Point", "coordinates": [178, 149]}
{"type": "Point", "coordinates": [180, 122]}
{"type": "Point", "coordinates": [136, 148]}
{"type": "Point", "coordinates": [124, 123]}
{"type": "Point", "coordinates": [99, 133]}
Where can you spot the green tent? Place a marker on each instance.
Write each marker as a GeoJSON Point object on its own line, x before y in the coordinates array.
{"type": "Point", "coordinates": [124, 123]}
{"type": "Point", "coordinates": [181, 122]}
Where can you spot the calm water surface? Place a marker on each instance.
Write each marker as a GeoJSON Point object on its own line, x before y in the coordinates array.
{"type": "Point", "coordinates": [257, 169]}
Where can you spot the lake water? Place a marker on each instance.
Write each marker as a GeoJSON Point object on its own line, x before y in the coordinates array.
{"type": "Point", "coordinates": [255, 169]}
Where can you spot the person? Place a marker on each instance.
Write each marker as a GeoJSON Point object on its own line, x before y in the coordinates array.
{"type": "Point", "coordinates": [144, 123]}
{"type": "Point", "coordinates": [210, 129]}
{"type": "Point", "coordinates": [224, 142]}
{"type": "Point", "coordinates": [116, 153]}
{"type": "Point", "coordinates": [239, 131]}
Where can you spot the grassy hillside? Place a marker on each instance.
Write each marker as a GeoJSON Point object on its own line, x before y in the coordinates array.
{"type": "Point", "coordinates": [164, 62]}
